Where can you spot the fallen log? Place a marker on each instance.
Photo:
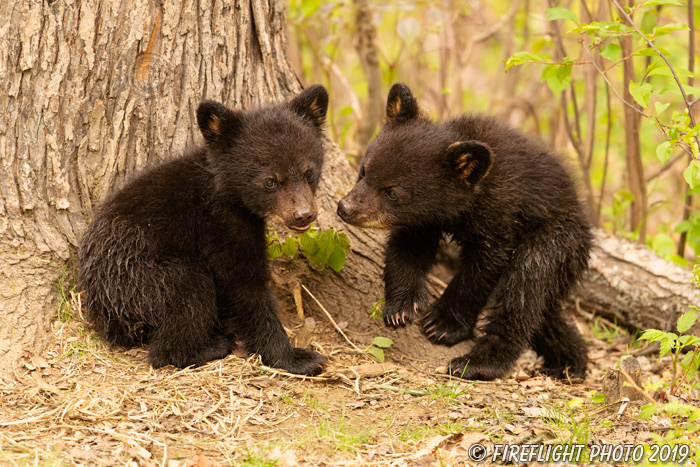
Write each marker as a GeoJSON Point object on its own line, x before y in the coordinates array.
{"type": "Point", "coordinates": [629, 284]}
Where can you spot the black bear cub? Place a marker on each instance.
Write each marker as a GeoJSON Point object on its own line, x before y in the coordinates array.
{"type": "Point", "coordinates": [178, 258]}
{"type": "Point", "coordinates": [511, 207]}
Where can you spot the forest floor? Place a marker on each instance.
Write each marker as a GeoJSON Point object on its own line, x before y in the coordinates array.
{"type": "Point", "coordinates": [82, 403]}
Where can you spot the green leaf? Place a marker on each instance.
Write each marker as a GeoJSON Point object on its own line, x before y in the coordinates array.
{"type": "Point", "coordinates": [664, 151]}
{"type": "Point", "coordinates": [641, 93]}
{"type": "Point", "coordinates": [575, 402]}
{"type": "Point", "coordinates": [691, 174]}
{"type": "Point", "coordinates": [344, 240]}
{"type": "Point", "coordinates": [683, 227]}
{"type": "Point", "coordinates": [561, 13]}
{"type": "Point", "coordinates": [649, 52]}
{"type": "Point", "coordinates": [652, 335]}
{"type": "Point", "coordinates": [663, 245]}
{"type": "Point", "coordinates": [647, 411]}
{"type": "Point", "coordinates": [326, 243]}
{"type": "Point", "coordinates": [659, 110]}
{"type": "Point", "coordinates": [383, 342]}
{"type": "Point", "coordinates": [290, 247]}
{"type": "Point", "coordinates": [558, 77]}
{"type": "Point", "coordinates": [274, 250]}
{"type": "Point", "coordinates": [688, 339]}
{"type": "Point", "coordinates": [686, 321]}
{"type": "Point", "coordinates": [308, 243]}
{"type": "Point", "coordinates": [376, 353]}
{"type": "Point", "coordinates": [611, 51]}
{"type": "Point", "coordinates": [666, 71]}
{"type": "Point", "coordinates": [523, 57]}
{"type": "Point", "coordinates": [667, 344]}
{"type": "Point", "coordinates": [667, 28]}
{"type": "Point", "coordinates": [336, 260]}
{"type": "Point", "coordinates": [661, 2]}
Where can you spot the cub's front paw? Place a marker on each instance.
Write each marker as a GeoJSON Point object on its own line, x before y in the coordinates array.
{"type": "Point", "coordinates": [402, 312]}
{"type": "Point", "coordinates": [305, 362]}
{"type": "Point", "coordinates": [441, 327]}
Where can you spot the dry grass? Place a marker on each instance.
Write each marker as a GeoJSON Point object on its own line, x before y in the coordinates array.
{"type": "Point", "coordinates": [81, 403]}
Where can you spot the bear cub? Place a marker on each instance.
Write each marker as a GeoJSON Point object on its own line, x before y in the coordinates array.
{"type": "Point", "coordinates": [178, 258]}
{"type": "Point", "coordinates": [512, 208]}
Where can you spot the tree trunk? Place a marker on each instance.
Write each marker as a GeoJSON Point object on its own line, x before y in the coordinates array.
{"type": "Point", "coordinates": [635, 168]}
{"type": "Point", "coordinates": [94, 91]}
{"type": "Point", "coordinates": [366, 46]}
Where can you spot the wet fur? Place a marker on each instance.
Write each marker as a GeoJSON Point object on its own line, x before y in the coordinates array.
{"type": "Point", "coordinates": [511, 206]}
{"type": "Point", "coordinates": [177, 258]}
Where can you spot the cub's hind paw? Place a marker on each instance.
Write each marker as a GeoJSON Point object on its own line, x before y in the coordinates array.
{"type": "Point", "coordinates": [305, 362]}
{"type": "Point", "coordinates": [466, 368]}
{"type": "Point", "coordinates": [441, 328]}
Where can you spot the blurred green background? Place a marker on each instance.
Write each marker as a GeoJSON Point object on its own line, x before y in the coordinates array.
{"type": "Point", "coordinates": [453, 53]}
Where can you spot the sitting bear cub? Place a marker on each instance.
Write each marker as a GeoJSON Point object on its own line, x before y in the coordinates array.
{"type": "Point", "coordinates": [178, 258]}
{"type": "Point", "coordinates": [511, 207]}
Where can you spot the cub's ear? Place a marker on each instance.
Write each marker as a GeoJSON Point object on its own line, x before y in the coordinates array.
{"type": "Point", "coordinates": [217, 123]}
{"type": "Point", "coordinates": [401, 106]}
{"type": "Point", "coordinates": [471, 160]}
{"type": "Point", "coordinates": [312, 104]}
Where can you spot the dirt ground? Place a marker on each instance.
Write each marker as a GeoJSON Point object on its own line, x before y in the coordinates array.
{"type": "Point", "coordinates": [81, 403]}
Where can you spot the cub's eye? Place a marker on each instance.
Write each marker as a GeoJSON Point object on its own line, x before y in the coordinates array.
{"type": "Point", "coordinates": [362, 173]}
{"type": "Point", "coordinates": [391, 195]}
{"type": "Point", "coordinates": [310, 175]}
{"type": "Point", "coordinates": [270, 183]}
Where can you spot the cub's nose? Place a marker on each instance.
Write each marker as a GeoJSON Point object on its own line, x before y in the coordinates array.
{"type": "Point", "coordinates": [303, 215]}
{"type": "Point", "coordinates": [344, 209]}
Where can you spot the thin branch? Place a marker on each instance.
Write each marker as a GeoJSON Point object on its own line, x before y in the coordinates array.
{"type": "Point", "coordinates": [330, 318]}
{"type": "Point", "coordinates": [670, 163]}
{"type": "Point", "coordinates": [585, 48]}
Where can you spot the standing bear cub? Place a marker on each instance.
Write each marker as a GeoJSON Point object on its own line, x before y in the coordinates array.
{"type": "Point", "coordinates": [178, 258]}
{"type": "Point", "coordinates": [511, 207]}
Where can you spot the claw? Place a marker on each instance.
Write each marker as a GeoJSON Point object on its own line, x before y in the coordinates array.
{"type": "Point", "coordinates": [442, 336]}
{"type": "Point", "coordinates": [403, 316]}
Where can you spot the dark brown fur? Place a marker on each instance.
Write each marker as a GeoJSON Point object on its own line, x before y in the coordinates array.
{"type": "Point", "coordinates": [511, 206]}
{"type": "Point", "coordinates": [177, 258]}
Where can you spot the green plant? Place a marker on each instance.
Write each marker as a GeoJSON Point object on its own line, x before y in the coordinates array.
{"type": "Point", "coordinates": [565, 422]}
{"type": "Point", "coordinates": [674, 343]}
{"type": "Point", "coordinates": [604, 331]}
{"type": "Point", "coordinates": [376, 348]}
{"type": "Point", "coordinates": [450, 391]}
{"type": "Point", "coordinates": [257, 459]}
{"type": "Point", "coordinates": [376, 310]}
{"type": "Point", "coordinates": [65, 286]}
{"type": "Point", "coordinates": [320, 247]}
